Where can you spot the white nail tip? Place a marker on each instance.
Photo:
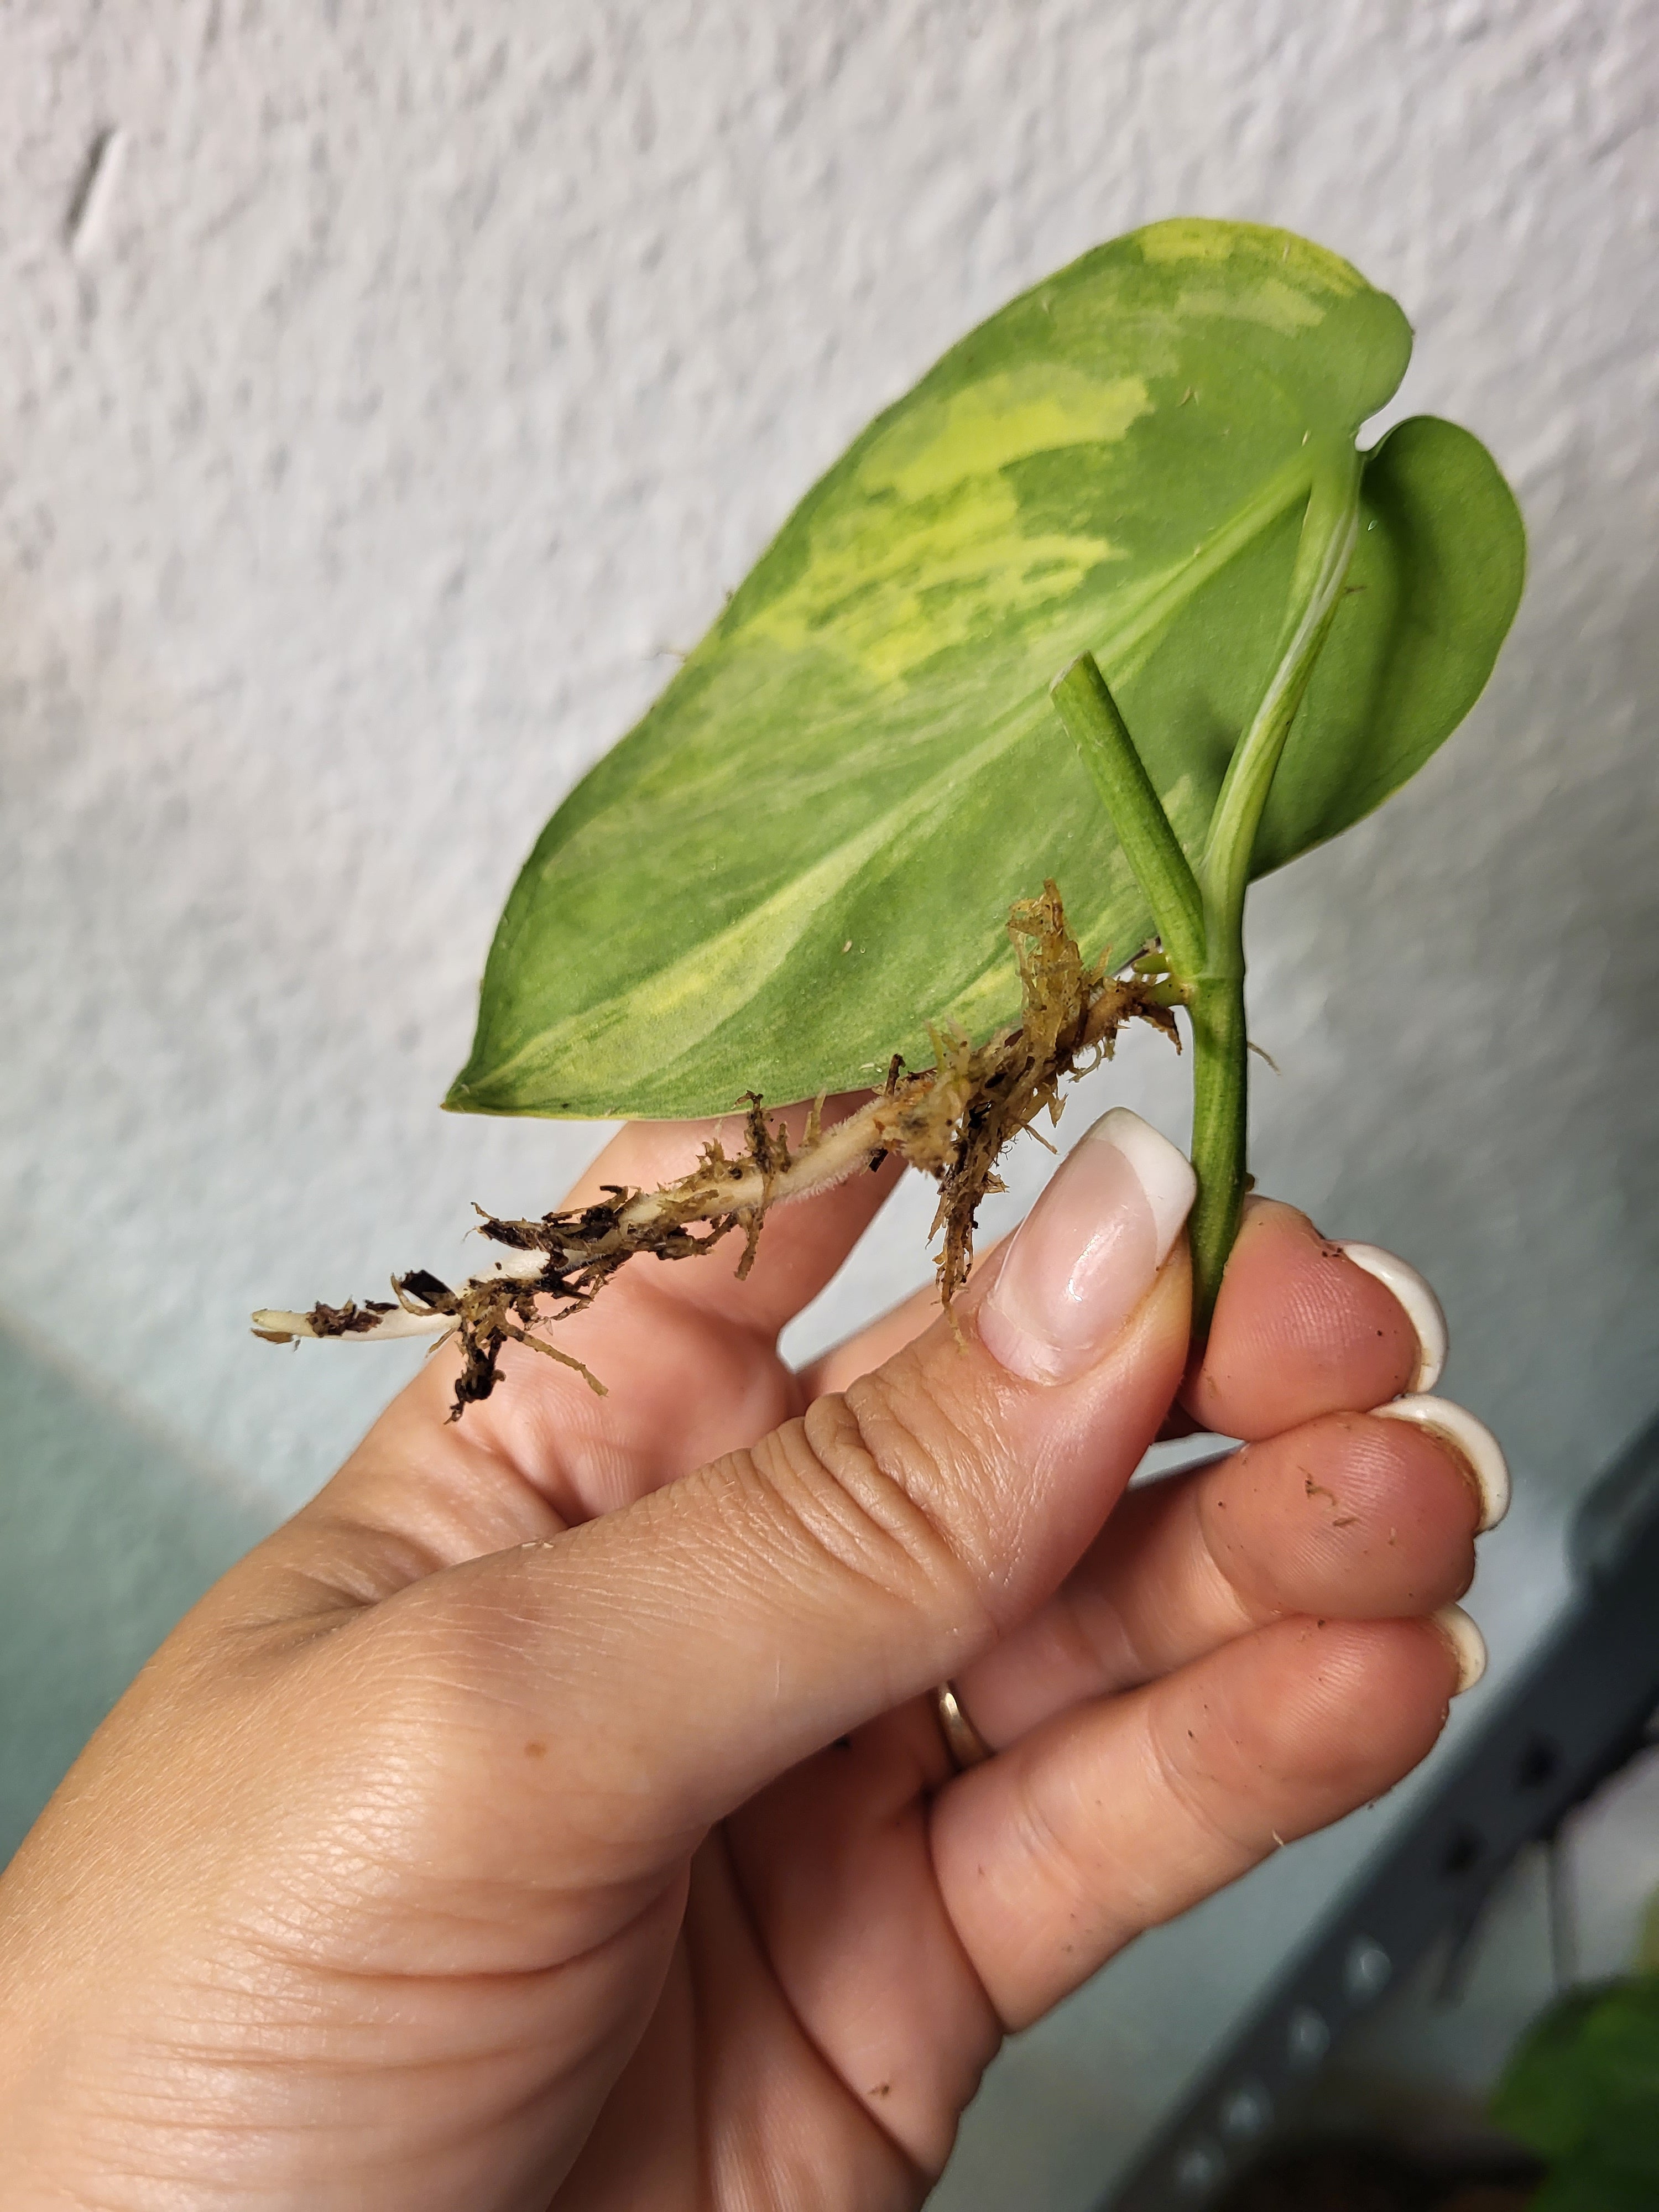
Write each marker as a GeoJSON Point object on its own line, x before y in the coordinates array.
{"type": "Point", "coordinates": [1468, 1643]}
{"type": "Point", "coordinates": [1162, 1170]}
{"type": "Point", "coordinates": [1472, 1440]}
{"type": "Point", "coordinates": [1423, 1309]}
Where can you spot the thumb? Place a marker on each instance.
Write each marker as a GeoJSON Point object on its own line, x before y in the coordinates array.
{"type": "Point", "coordinates": [675, 1656]}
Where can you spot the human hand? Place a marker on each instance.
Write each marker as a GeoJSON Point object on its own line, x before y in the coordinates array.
{"type": "Point", "coordinates": [556, 1810]}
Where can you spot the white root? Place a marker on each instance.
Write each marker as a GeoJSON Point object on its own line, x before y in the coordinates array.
{"type": "Point", "coordinates": [951, 1121]}
{"type": "Point", "coordinates": [839, 1152]}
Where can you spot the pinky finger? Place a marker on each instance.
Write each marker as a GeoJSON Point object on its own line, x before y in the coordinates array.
{"type": "Point", "coordinates": [1124, 1811]}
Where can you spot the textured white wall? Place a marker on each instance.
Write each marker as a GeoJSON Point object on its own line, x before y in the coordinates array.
{"type": "Point", "coordinates": [415, 374]}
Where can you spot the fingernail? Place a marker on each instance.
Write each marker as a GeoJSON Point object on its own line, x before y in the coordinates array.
{"type": "Point", "coordinates": [1472, 1442]}
{"type": "Point", "coordinates": [1468, 1645]}
{"type": "Point", "coordinates": [1085, 1255]}
{"type": "Point", "coordinates": [1423, 1309]}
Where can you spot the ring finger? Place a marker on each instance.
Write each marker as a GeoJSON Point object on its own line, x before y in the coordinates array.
{"type": "Point", "coordinates": [1125, 1811]}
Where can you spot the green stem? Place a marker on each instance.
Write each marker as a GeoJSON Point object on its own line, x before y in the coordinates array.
{"type": "Point", "coordinates": [1221, 1093]}
{"type": "Point", "coordinates": [1329, 529]}
{"type": "Point", "coordinates": [1143, 829]}
{"type": "Point", "coordinates": [1200, 918]}
{"type": "Point", "coordinates": [1220, 1041]}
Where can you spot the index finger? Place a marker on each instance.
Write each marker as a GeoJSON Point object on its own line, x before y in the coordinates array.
{"type": "Point", "coordinates": [1300, 1329]}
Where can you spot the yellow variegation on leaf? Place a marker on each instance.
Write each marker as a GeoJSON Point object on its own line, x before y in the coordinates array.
{"type": "Point", "coordinates": [805, 853]}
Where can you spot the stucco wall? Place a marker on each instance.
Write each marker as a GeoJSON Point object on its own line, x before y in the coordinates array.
{"type": "Point", "coordinates": [414, 376]}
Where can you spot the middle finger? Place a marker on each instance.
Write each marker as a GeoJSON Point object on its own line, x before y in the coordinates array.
{"type": "Point", "coordinates": [1353, 1515]}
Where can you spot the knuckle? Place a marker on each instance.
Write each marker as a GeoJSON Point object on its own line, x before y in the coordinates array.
{"type": "Point", "coordinates": [1064, 1867]}
{"type": "Point", "coordinates": [1095, 1638]}
{"type": "Point", "coordinates": [876, 1488]}
{"type": "Point", "coordinates": [1218, 1817]}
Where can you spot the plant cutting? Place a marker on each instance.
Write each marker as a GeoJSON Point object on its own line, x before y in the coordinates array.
{"type": "Point", "coordinates": [1107, 617]}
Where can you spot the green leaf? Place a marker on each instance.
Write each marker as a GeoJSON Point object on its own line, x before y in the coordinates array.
{"type": "Point", "coordinates": [1583, 2090]}
{"type": "Point", "coordinates": [1441, 560]}
{"type": "Point", "coordinates": [805, 853]}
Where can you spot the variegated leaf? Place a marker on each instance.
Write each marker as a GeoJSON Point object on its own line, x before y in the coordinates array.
{"type": "Point", "coordinates": [806, 852]}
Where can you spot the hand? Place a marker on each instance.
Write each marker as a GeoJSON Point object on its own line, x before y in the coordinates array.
{"type": "Point", "coordinates": [556, 1810]}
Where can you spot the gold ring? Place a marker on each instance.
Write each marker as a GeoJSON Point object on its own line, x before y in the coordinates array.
{"type": "Point", "coordinates": [966, 1746]}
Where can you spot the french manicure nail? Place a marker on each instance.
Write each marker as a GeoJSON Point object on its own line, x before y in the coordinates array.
{"type": "Point", "coordinates": [1468, 1645]}
{"type": "Point", "coordinates": [1423, 1309]}
{"type": "Point", "coordinates": [1085, 1255]}
{"type": "Point", "coordinates": [1470, 1440]}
